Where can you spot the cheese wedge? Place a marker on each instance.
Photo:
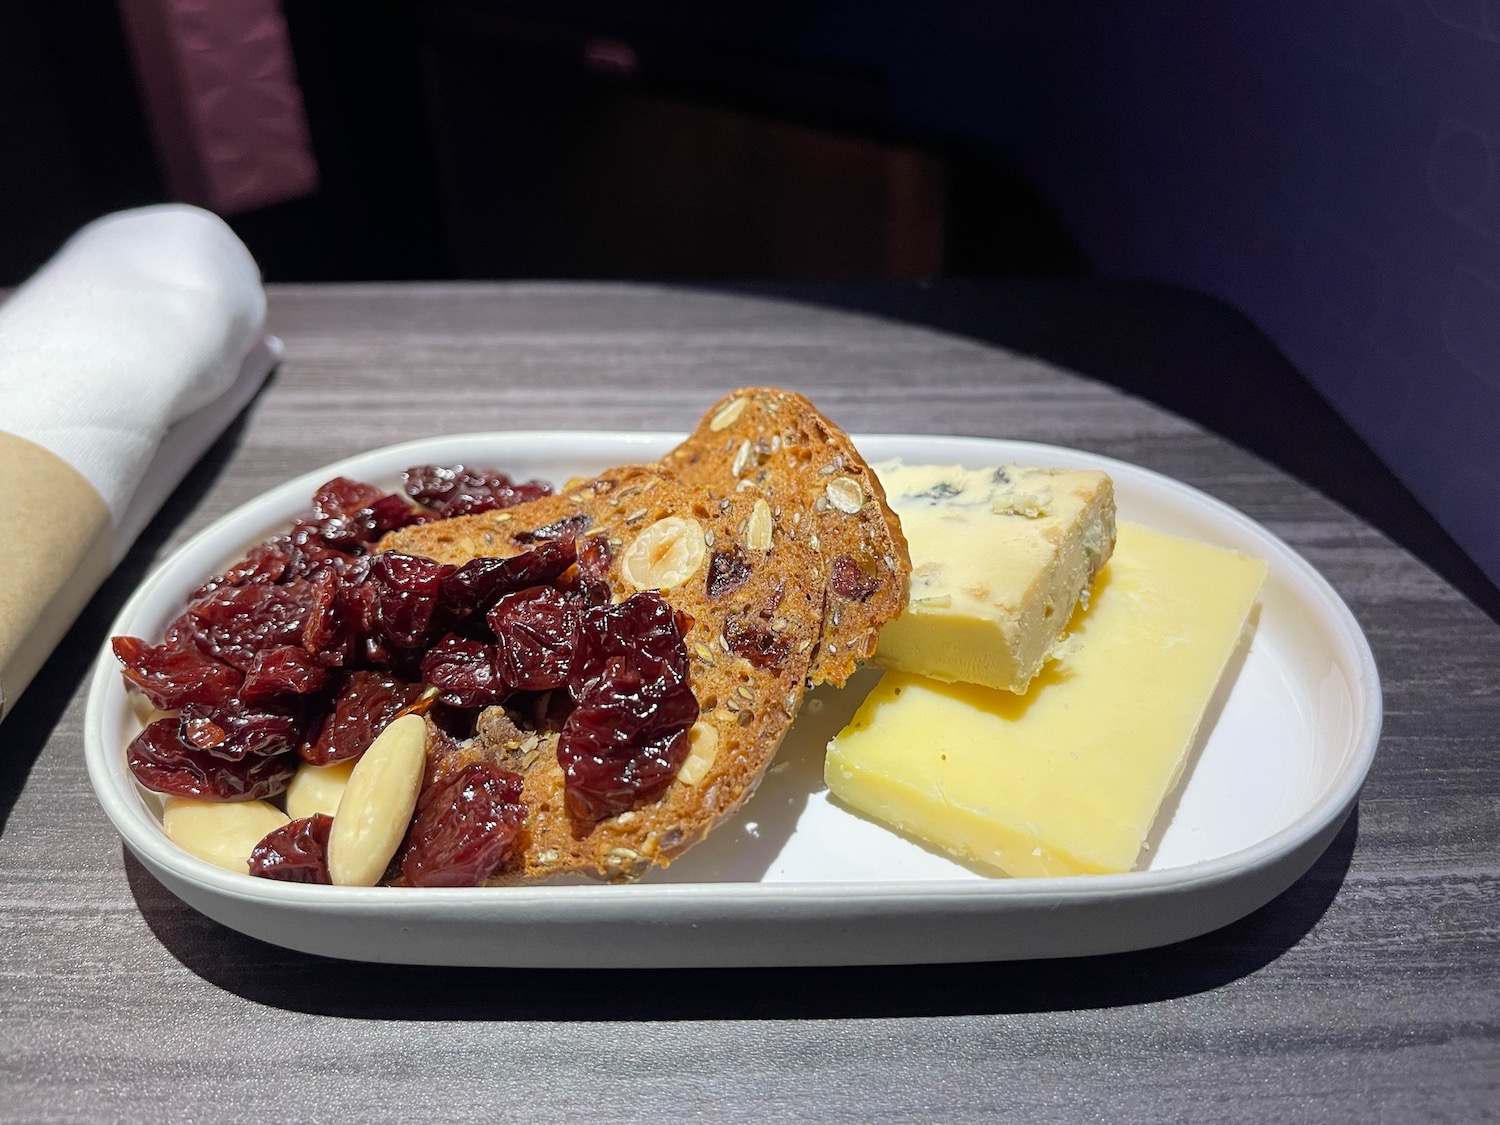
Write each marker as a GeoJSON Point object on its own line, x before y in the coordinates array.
{"type": "Point", "coordinates": [1000, 558]}
{"type": "Point", "coordinates": [1068, 778]}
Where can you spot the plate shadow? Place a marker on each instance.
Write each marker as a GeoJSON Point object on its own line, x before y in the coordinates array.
{"type": "Point", "coordinates": [282, 978]}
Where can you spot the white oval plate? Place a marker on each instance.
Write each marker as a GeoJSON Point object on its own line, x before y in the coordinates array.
{"type": "Point", "coordinates": [795, 879]}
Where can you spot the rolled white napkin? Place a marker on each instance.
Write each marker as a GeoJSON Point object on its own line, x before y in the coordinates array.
{"type": "Point", "coordinates": [121, 361]}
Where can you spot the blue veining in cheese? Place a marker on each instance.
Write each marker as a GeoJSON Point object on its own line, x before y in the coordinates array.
{"type": "Point", "coordinates": [1000, 558]}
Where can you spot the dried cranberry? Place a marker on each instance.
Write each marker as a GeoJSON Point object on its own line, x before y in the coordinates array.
{"type": "Point", "coordinates": [341, 496]}
{"type": "Point", "coordinates": [175, 673]}
{"type": "Point", "coordinates": [763, 648]}
{"type": "Point", "coordinates": [265, 563]}
{"type": "Point", "coordinates": [727, 570]}
{"type": "Point", "coordinates": [297, 852]}
{"type": "Point", "coordinates": [536, 631]}
{"type": "Point", "coordinates": [309, 554]}
{"type": "Point", "coordinates": [569, 527]}
{"type": "Point", "coordinates": [627, 737]}
{"type": "Point", "coordinates": [365, 704]}
{"type": "Point", "coordinates": [477, 583]}
{"type": "Point", "coordinates": [459, 491]}
{"type": "Point", "coordinates": [236, 623]}
{"type": "Point", "coordinates": [465, 827]}
{"type": "Point", "coordinates": [331, 631]}
{"type": "Point", "coordinates": [354, 614]}
{"type": "Point", "coordinates": [409, 611]}
{"type": "Point", "coordinates": [283, 671]}
{"type": "Point", "coordinates": [237, 730]}
{"type": "Point", "coordinates": [850, 580]}
{"type": "Point", "coordinates": [465, 671]}
{"type": "Point", "coordinates": [162, 762]}
{"type": "Point", "coordinates": [594, 560]}
{"type": "Point", "coordinates": [643, 624]}
{"type": "Point", "coordinates": [202, 733]}
{"type": "Point", "coordinates": [348, 513]}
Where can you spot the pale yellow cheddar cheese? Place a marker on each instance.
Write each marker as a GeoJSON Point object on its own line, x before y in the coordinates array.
{"type": "Point", "coordinates": [1068, 778]}
{"type": "Point", "coordinates": [1000, 558]}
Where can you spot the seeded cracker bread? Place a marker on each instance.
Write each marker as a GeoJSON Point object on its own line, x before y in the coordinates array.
{"type": "Point", "coordinates": [826, 496]}
{"type": "Point", "coordinates": [745, 710]}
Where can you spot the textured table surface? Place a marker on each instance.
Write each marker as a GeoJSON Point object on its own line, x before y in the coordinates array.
{"type": "Point", "coordinates": [1368, 992]}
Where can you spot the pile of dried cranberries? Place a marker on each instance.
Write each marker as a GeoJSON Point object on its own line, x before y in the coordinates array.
{"type": "Point", "coordinates": [308, 647]}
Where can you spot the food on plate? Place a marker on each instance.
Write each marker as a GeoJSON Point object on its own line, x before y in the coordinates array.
{"type": "Point", "coordinates": [818, 489]}
{"type": "Point", "coordinates": [729, 612]}
{"type": "Point", "coordinates": [596, 678]}
{"type": "Point", "coordinates": [222, 832]}
{"type": "Point", "coordinates": [317, 789]}
{"type": "Point", "coordinates": [376, 807]}
{"type": "Point", "coordinates": [484, 682]}
{"type": "Point", "coordinates": [297, 852]}
{"type": "Point", "coordinates": [1067, 778]}
{"type": "Point", "coordinates": [1000, 557]}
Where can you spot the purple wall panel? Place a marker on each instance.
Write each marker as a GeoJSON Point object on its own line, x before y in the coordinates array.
{"type": "Point", "coordinates": [221, 93]}
{"type": "Point", "coordinates": [1331, 167]}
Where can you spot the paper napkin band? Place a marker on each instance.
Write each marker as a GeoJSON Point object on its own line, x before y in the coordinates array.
{"type": "Point", "coordinates": [56, 549]}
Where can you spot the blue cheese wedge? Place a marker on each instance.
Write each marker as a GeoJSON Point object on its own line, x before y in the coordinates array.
{"type": "Point", "coordinates": [1000, 559]}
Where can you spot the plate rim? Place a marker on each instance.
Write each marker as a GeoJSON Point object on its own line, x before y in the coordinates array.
{"type": "Point", "coordinates": [127, 816]}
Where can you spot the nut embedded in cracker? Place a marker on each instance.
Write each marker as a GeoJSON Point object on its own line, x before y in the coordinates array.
{"type": "Point", "coordinates": [821, 492]}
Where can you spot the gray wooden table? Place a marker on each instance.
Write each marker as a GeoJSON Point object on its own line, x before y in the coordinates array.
{"type": "Point", "coordinates": [1369, 992]}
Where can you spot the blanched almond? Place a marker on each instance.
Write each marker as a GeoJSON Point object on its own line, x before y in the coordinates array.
{"type": "Point", "coordinates": [377, 804]}
{"type": "Point", "coordinates": [317, 789]}
{"type": "Point", "coordinates": [222, 832]}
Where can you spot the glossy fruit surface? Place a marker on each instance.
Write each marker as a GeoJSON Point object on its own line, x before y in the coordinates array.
{"type": "Point", "coordinates": [466, 824]}
{"type": "Point", "coordinates": [315, 641]}
{"type": "Point", "coordinates": [297, 852]}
